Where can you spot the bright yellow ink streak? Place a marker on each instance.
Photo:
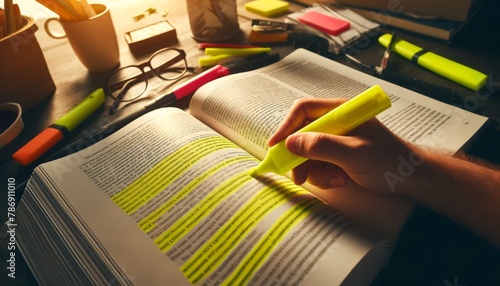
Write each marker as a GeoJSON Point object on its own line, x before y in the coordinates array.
{"type": "Point", "coordinates": [157, 178]}
{"type": "Point", "coordinates": [149, 222]}
{"type": "Point", "coordinates": [215, 250]}
{"type": "Point", "coordinates": [263, 249]}
{"type": "Point", "coordinates": [200, 211]}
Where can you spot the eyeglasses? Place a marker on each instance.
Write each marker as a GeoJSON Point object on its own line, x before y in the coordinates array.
{"type": "Point", "coordinates": [379, 70]}
{"type": "Point", "coordinates": [130, 82]}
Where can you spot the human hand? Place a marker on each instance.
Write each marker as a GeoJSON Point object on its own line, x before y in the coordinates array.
{"type": "Point", "coordinates": [369, 156]}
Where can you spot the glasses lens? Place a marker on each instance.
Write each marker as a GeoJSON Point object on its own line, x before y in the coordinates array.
{"type": "Point", "coordinates": [127, 84]}
{"type": "Point", "coordinates": [169, 64]}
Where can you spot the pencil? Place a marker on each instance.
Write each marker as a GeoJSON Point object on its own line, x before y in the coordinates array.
{"type": "Point", "coordinates": [68, 7]}
{"type": "Point", "coordinates": [88, 9]}
{"type": "Point", "coordinates": [17, 17]}
{"type": "Point", "coordinates": [10, 21]}
{"type": "Point", "coordinates": [55, 7]}
{"type": "Point", "coordinates": [2, 24]}
{"type": "Point", "coordinates": [77, 7]}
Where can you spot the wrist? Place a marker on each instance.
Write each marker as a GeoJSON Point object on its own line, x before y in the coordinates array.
{"type": "Point", "coordinates": [413, 173]}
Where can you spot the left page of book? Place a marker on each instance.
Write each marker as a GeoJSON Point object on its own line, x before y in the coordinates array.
{"type": "Point", "coordinates": [167, 200]}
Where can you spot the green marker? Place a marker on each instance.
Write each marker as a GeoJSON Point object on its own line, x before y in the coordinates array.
{"type": "Point", "coordinates": [338, 121]}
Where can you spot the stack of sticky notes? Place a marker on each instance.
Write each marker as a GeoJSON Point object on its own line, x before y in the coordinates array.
{"type": "Point", "coordinates": [267, 8]}
{"type": "Point", "coordinates": [218, 52]}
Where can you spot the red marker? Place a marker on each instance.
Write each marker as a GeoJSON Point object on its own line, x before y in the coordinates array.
{"type": "Point", "coordinates": [189, 87]}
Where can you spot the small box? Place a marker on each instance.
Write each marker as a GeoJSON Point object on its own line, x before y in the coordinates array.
{"type": "Point", "coordinates": [151, 37]}
{"type": "Point", "coordinates": [24, 75]}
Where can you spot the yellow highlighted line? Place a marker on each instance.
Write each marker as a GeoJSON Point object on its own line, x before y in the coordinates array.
{"type": "Point", "coordinates": [215, 250]}
{"type": "Point", "coordinates": [172, 235]}
{"type": "Point", "coordinates": [149, 222]}
{"type": "Point", "coordinates": [160, 176]}
{"type": "Point", "coordinates": [263, 249]}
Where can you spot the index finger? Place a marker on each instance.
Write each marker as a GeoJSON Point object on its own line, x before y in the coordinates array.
{"type": "Point", "coordinates": [302, 112]}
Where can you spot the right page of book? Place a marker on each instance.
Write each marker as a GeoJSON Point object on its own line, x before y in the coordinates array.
{"type": "Point", "coordinates": [248, 107]}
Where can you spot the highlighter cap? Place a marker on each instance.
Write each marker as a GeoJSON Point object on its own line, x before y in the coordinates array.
{"type": "Point", "coordinates": [38, 146]}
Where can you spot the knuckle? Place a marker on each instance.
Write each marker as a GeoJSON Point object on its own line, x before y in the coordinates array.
{"type": "Point", "coordinates": [317, 143]}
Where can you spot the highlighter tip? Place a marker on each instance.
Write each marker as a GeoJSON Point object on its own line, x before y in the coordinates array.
{"type": "Point", "coordinates": [253, 172]}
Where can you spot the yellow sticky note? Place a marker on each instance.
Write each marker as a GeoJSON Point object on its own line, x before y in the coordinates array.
{"type": "Point", "coordinates": [267, 8]}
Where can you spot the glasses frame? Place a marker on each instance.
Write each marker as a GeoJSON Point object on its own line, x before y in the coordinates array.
{"type": "Point", "coordinates": [373, 69]}
{"type": "Point", "coordinates": [145, 75]}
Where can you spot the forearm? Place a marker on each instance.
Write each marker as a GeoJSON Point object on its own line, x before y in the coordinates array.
{"type": "Point", "coordinates": [466, 192]}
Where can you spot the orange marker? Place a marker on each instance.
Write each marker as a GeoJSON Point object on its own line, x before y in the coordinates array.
{"type": "Point", "coordinates": [49, 137]}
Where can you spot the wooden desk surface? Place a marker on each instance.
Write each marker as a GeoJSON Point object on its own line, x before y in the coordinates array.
{"type": "Point", "coordinates": [477, 46]}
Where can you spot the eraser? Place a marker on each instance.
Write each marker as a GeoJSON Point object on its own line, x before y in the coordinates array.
{"type": "Point", "coordinates": [267, 8]}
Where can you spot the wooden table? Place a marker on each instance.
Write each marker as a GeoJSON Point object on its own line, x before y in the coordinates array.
{"type": "Point", "coordinates": [477, 46]}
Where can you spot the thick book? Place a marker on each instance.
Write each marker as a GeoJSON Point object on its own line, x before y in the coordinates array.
{"type": "Point", "coordinates": [167, 200]}
{"type": "Point", "coordinates": [445, 9]}
{"type": "Point", "coordinates": [441, 29]}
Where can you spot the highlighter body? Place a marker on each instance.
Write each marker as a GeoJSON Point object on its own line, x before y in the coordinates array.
{"type": "Point", "coordinates": [338, 121]}
{"type": "Point", "coordinates": [53, 134]}
{"type": "Point", "coordinates": [236, 51]}
{"type": "Point", "coordinates": [447, 68]}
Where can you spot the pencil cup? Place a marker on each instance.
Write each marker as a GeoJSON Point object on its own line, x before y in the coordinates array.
{"type": "Point", "coordinates": [93, 40]}
{"type": "Point", "coordinates": [24, 75]}
{"type": "Point", "coordinates": [213, 20]}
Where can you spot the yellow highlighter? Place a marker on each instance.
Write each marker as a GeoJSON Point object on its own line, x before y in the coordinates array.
{"type": "Point", "coordinates": [236, 51]}
{"type": "Point", "coordinates": [447, 68]}
{"type": "Point", "coordinates": [338, 121]}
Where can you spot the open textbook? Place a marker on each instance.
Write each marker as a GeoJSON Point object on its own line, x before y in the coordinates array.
{"type": "Point", "coordinates": [167, 200]}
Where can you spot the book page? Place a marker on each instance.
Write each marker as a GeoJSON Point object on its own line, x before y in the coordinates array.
{"type": "Point", "coordinates": [248, 107]}
{"type": "Point", "coordinates": [178, 198]}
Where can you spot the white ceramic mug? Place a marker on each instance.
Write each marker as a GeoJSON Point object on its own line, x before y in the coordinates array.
{"type": "Point", "coordinates": [93, 40]}
{"type": "Point", "coordinates": [10, 114]}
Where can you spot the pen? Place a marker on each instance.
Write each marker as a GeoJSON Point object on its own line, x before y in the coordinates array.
{"type": "Point", "coordinates": [447, 68]}
{"type": "Point", "coordinates": [189, 87]}
{"type": "Point", "coordinates": [338, 121]}
{"type": "Point", "coordinates": [385, 59]}
{"type": "Point", "coordinates": [53, 134]}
